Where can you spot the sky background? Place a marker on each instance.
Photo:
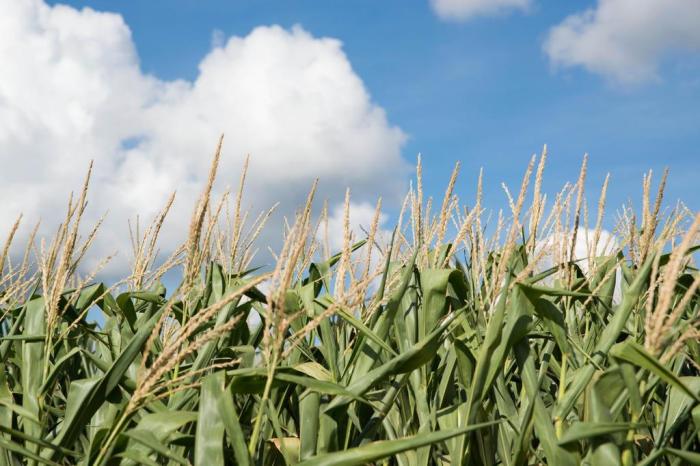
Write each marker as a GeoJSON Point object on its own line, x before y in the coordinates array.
{"type": "Point", "coordinates": [486, 83]}
{"type": "Point", "coordinates": [480, 90]}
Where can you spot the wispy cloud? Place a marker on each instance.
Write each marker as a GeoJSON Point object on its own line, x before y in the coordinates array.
{"type": "Point", "coordinates": [462, 10]}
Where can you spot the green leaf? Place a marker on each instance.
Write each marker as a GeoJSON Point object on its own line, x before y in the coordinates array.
{"type": "Point", "coordinates": [56, 369]}
{"type": "Point", "coordinates": [209, 439]}
{"type": "Point", "coordinates": [407, 361]}
{"type": "Point", "coordinates": [309, 417]}
{"type": "Point", "coordinates": [149, 440]}
{"type": "Point", "coordinates": [587, 430]}
{"type": "Point", "coordinates": [635, 354]}
{"type": "Point", "coordinates": [86, 396]}
{"type": "Point", "coordinates": [232, 425]}
{"type": "Point", "coordinates": [26, 453]}
{"type": "Point", "coordinates": [32, 369]}
{"type": "Point", "coordinates": [383, 449]}
{"type": "Point", "coordinates": [688, 456]}
{"type": "Point", "coordinates": [607, 339]}
{"type": "Point", "coordinates": [164, 423]}
{"type": "Point", "coordinates": [679, 403]}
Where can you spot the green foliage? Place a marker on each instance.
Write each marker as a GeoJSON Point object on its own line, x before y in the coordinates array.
{"type": "Point", "coordinates": [419, 365]}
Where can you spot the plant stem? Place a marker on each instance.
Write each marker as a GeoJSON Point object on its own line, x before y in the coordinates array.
{"type": "Point", "coordinates": [107, 445]}
{"type": "Point", "coordinates": [266, 393]}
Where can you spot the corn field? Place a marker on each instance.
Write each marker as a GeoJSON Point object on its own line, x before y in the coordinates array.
{"type": "Point", "coordinates": [462, 338]}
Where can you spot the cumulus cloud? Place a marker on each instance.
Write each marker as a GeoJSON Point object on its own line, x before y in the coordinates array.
{"type": "Point", "coordinates": [72, 90]}
{"type": "Point", "coordinates": [585, 248]}
{"type": "Point", "coordinates": [360, 221]}
{"type": "Point", "coordinates": [462, 10]}
{"type": "Point", "coordinates": [625, 40]}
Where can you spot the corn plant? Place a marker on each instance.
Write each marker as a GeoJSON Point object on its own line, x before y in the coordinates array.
{"type": "Point", "coordinates": [451, 341]}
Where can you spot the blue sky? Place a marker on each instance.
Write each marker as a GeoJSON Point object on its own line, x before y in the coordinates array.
{"type": "Point", "coordinates": [481, 91]}
{"type": "Point", "coordinates": [349, 92]}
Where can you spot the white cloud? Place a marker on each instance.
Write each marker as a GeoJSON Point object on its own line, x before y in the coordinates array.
{"type": "Point", "coordinates": [462, 10]}
{"type": "Point", "coordinates": [607, 244]}
{"type": "Point", "coordinates": [625, 40]}
{"type": "Point", "coordinates": [584, 249]}
{"type": "Point", "coordinates": [360, 220]}
{"type": "Point", "coordinates": [71, 90]}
